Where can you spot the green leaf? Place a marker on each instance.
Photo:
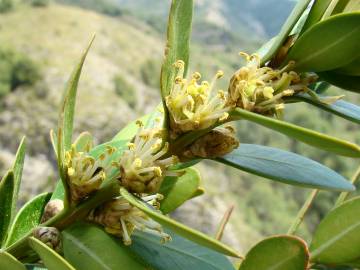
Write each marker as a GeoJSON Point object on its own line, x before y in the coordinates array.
{"type": "Point", "coordinates": [178, 254]}
{"type": "Point", "coordinates": [341, 108]}
{"type": "Point", "coordinates": [179, 228]}
{"type": "Point", "coordinates": [285, 30]}
{"type": "Point", "coordinates": [84, 141]}
{"type": "Point", "coordinates": [177, 190]}
{"type": "Point", "coordinates": [50, 258]}
{"type": "Point", "coordinates": [327, 45]}
{"type": "Point", "coordinates": [304, 135]}
{"type": "Point", "coordinates": [337, 238]}
{"type": "Point", "coordinates": [8, 262]}
{"type": "Point", "coordinates": [282, 252]}
{"type": "Point", "coordinates": [7, 186]}
{"type": "Point", "coordinates": [27, 218]}
{"type": "Point", "coordinates": [88, 247]}
{"type": "Point", "coordinates": [317, 11]}
{"type": "Point", "coordinates": [66, 116]}
{"type": "Point", "coordinates": [350, 83]}
{"type": "Point", "coordinates": [352, 69]}
{"type": "Point", "coordinates": [17, 169]}
{"type": "Point", "coordinates": [178, 42]}
{"type": "Point", "coordinates": [286, 167]}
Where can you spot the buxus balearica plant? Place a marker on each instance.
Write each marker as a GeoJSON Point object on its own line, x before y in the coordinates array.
{"type": "Point", "coordinates": [110, 208]}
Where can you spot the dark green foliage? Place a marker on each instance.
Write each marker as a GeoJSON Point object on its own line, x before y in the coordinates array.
{"type": "Point", "coordinates": [6, 5]}
{"type": "Point", "coordinates": [24, 72]}
{"type": "Point", "coordinates": [40, 3]}
{"type": "Point", "coordinates": [125, 90]}
{"type": "Point", "coordinates": [16, 70]}
{"type": "Point", "coordinates": [104, 6]}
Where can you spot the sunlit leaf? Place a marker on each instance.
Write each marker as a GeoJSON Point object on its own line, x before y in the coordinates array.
{"type": "Point", "coordinates": [177, 190]}
{"type": "Point", "coordinates": [327, 45]}
{"type": "Point", "coordinates": [17, 169]}
{"type": "Point", "coordinates": [282, 252]}
{"type": "Point", "coordinates": [67, 111]}
{"type": "Point", "coordinates": [84, 142]}
{"type": "Point", "coordinates": [286, 167]}
{"type": "Point", "coordinates": [285, 31]}
{"type": "Point", "coordinates": [8, 262]}
{"type": "Point", "coordinates": [88, 247]}
{"type": "Point", "coordinates": [307, 136]}
{"type": "Point", "coordinates": [6, 196]}
{"type": "Point", "coordinates": [178, 254]}
{"type": "Point", "coordinates": [317, 11]}
{"type": "Point", "coordinates": [341, 108]}
{"type": "Point", "coordinates": [178, 42]}
{"type": "Point", "coordinates": [27, 218]}
{"type": "Point", "coordinates": [50, 258]}
{"type": "Point", "coordinates": [337, 238]}
{"type": "Point", "coordinates": [179, 228]}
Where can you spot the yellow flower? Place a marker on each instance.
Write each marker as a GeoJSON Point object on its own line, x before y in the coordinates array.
{"type": "Point", "coordinates": [85, 174]}
{"type": "Point", "coordinates": [193, 105]}
{"type": "Point", "coordinates": [141, 168]}
{"type": "Point", "coordinates": [120, 218]}
{"type": "Point", "coordinates": [261, 89]}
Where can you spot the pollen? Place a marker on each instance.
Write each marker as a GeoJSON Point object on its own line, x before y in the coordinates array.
{"type": "Point", "coordinates": [193, 104]}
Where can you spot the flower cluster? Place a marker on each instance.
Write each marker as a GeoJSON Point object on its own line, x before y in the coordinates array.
{"type": "Point", "coordinates": [85, 174]}
{"type": "Point", "coordinates": [262, 89]}
{"type": "Point", "coordinates": [141, 168]}
{"type": "Point", "coordinates": [195, 105]}
{"type": "Point", "coordinates": [120, 218]}
{"type": "Point", "coordinates": [216, 143]}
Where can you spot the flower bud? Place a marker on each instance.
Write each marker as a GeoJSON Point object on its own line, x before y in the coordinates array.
{"type": "Point", "coordinates": [218, 142]}
{"type": "Point", "coordinates": [50, 236]}
{"type": "Point", "coordinates": [52, 208]}
{"type": "Point", "coordinates": [120, 218]}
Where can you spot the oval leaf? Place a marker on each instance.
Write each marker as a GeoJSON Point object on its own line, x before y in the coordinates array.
{"type": "Point", "coordinates": [9, 262]}
{"type": "Point", "coordinates": [350, 83]}
{"type": "Point", "coordinates": [282, 252]}
{"type": "Point", "coordinates": [271, 49]}
{"type": "Point", "coordinates": [307, 136]}
{"type": "Point", "coordinates": [179, 228]}
{"type": "Point", "coordinates": [88, 247]}
{"type": "Point", "coordinates": [341, 108]}
{"type": "Point", "coordinates": [6, 197]}
{"type": "Point", "coordinates": [352, 69]}
{"type": "Point", "coordinates": [27, 218]}
{"type": "Point", "coordinates": [327, 45]}
{"type": "Point", "coordinates": [50, 258]}
{"type": "Point", "coordinates": [178, 254]}
{"type": "Point", "coordinates": [286, 167]}
{"type": "Point", "coordinates": [177, 190]}
{"type": "Point", "coordinates": [337, 238]}
{"type": "Point", "coordinates": [317, 11]}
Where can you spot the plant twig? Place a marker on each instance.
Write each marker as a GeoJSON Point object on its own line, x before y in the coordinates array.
{"type": "Point", "coordinates": [344, 195]}
{"type": "Point", "coordinates": [302, 212]}
{"type": "Point", "coordinates": [224, 221]}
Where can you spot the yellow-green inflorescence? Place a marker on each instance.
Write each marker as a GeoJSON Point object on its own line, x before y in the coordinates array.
{"type": "Point", "coordinates": [262, 89]}
{"type": "Point", "coordinates": [142, 168]}
{"type": "Point", "coordinates": [194, 104]}
{"type": "Point", "coordinates": [120, 218]}
{"type": "Point", "coordinates": [85, 173]}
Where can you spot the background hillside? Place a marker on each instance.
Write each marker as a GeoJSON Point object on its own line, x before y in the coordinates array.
{"type": "Point", "coordinates": [120, 82]}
